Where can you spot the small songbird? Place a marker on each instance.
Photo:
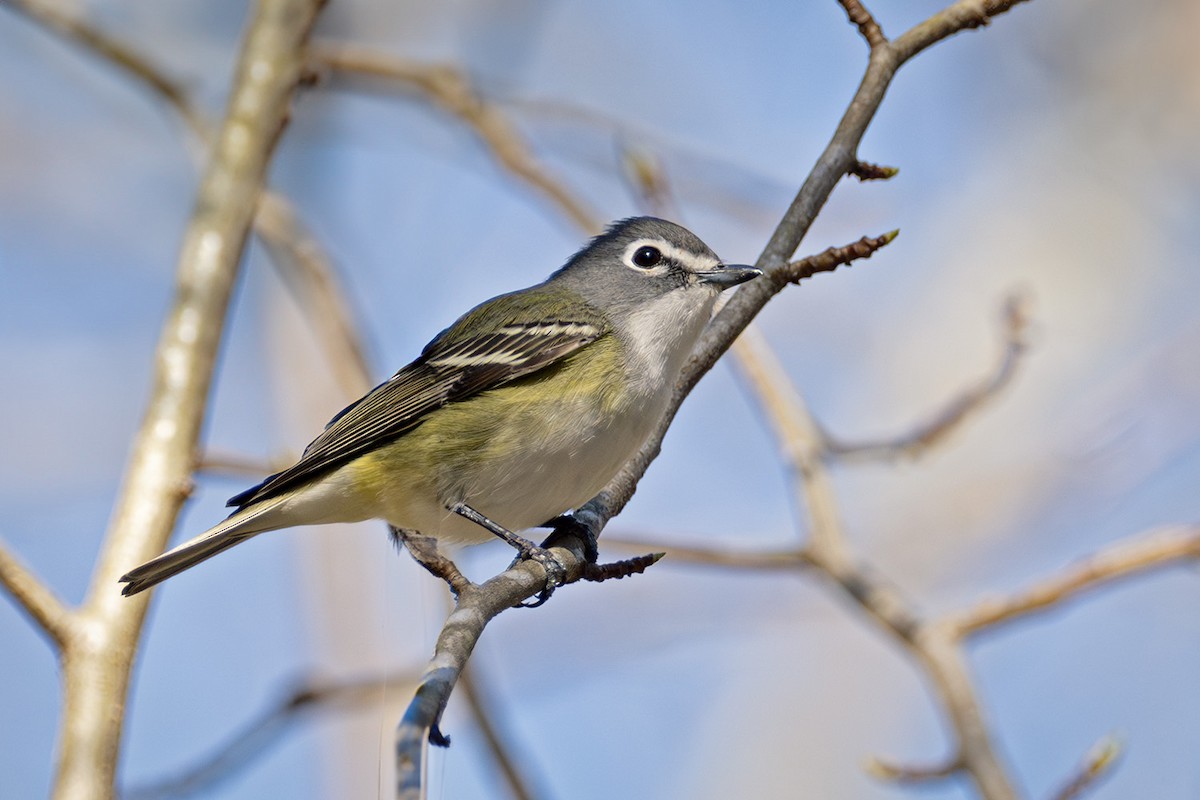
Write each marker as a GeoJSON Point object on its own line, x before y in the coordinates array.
{"type": "Point", "coordinates": [524, 408]}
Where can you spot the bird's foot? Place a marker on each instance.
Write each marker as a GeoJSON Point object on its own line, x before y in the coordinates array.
{"type": "Point", "coordinates": [567, 525]}
{"type": "Point", "coordinates": [556, 571]}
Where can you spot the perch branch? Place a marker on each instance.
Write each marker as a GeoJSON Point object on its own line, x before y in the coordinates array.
{"type": "Point", "coordinates": [837, 160]}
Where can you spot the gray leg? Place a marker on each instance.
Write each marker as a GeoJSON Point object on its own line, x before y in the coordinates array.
{"type": "Point", "coordinates": [555, 571]}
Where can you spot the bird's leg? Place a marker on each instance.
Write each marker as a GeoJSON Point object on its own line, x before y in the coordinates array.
{"type": "Point", "coordinates": [555, 571]}
{"type": "Point", "coordinates": [565, 526]}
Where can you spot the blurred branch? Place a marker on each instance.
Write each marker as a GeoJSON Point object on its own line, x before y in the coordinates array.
{"type": "Point", "coordinates": [35, 598]}
{"type": "Point", "coordinates": [308, 271]}
{"type": "Point", "coordinates": [242, 466]}
{"type": "Point", "coordinates": [1120, 561]}
{"type": "Point", "coordinates": [498, 742]}
{"type": "Point", "coordinates": [1097, 764]}
{"type": "Point", "coordinates": [786, 560]}
{"type": "Point", "coordinates": [931, 646]}
{"type": "Point", "coordinates": [885, 770]}
{"type": "Point", "coordinates": [265, 730]}
{"type": "Point", "coordinates": [73, 26]}
{"type": "Point", "coordinates": [97, 666]}
{"type": "Point", "coordinates": [929, 434]}
{"type": "Point", "coordinates": [302, 262]}
{"type": "Point", "coordinates": [452, 90]}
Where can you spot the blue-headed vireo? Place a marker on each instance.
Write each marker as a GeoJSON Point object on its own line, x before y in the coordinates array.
{"type": "Point", "coordinates": [521, 410]}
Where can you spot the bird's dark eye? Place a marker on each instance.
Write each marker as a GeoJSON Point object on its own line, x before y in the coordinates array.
{"type": "Point", "coordinates": [647, 257]}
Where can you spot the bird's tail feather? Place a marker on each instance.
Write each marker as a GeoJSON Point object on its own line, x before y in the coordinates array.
{"type": "Point", "coordinates": [238, 527]}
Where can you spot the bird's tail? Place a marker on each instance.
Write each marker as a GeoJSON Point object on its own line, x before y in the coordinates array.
{"type": "Point", "coordinates": [237, 527]}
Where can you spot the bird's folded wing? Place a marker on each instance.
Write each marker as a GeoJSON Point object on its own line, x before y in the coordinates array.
{"type": "Point", "coordinates": [450, 369]}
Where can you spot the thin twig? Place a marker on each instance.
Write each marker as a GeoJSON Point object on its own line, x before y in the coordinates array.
{"type": "Point", "coordinates": [833, 257]}
{"type": "Point", "coordinates": [1123, 560]}
{"type": "Point", "coordinates": [865, 22]}
{"type": "Point", "coordinates": [33, 596]}
{"type": "Point", "coordinates": [451, 89]}
{"type": "Point", "coordinates": [97, 666]}
{"type": "Point", "coordinates": [949, 419]}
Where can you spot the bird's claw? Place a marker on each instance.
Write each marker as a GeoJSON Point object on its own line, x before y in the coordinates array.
{"type": "Point", "coordinates": [556, 571]}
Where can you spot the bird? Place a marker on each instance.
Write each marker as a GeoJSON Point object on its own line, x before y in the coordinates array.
{"type": "Point", "coordinates": [523, 409]}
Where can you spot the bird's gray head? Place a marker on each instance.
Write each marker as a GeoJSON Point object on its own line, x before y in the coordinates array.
{"type": "Point", "coordinates": [641, 259]}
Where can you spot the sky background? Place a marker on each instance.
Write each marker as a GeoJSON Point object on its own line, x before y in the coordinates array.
{"type": "Point", "coordinates": [1053, 154]}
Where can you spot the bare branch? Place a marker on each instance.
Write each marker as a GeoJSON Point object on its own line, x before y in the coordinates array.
{"type": "Point", "coordinates": [961, 16]}
{"type": "Point", "coordinates": [831, 258]}
{"type": "Point", "coordinates": [75, 28]}
{"type": "Point", "coordinates": [309, 273]}
{"type": "Point", "coordinates": [616, 570]}
{"type": "Point", "coordinates": [35, 598]}
{"type": "Point", "coordinates": [158, 477]}
{"type": "Point", "coordinates": [935, 431]}
{"type": "Point", "coordinates": [1123, 560]}
{"type": "Point", "coordinates": [267, 728]}
{"type": "Point", "coordinates": [838, 159]}
{"type": "Point", "coordinates": [452, 90]}
{"type": "Point", "coordinates": [865, 23]}
{"type": "Point", "coordinates": [475, 607]}
{"type": "Point", "coordinates": [1097, 764]}
{"type": "Point", "coordinates": [645, 176]}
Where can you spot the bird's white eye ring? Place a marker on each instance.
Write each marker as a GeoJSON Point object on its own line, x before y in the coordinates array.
{"type": "Point", "coordinates": [646, 257]}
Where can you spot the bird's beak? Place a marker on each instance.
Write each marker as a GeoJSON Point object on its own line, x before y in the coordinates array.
{"type": "Point", "coordinates": [728, 275]}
